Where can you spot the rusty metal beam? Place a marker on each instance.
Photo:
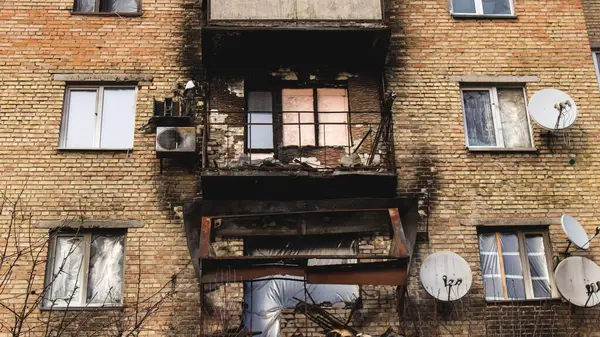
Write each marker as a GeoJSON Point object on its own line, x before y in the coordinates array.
{"type": "Point", "coordinates": [391, 273]}
{"type": "Point", "coordinates": [399, 243]}
{"type": "Point", "coordinates": [205, 236]}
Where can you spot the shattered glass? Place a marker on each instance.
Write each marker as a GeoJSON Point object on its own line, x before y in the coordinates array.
{"type": "Point", "coordinates": [67, 273]}
{"type": "Point", "coordinates": [105, 269]}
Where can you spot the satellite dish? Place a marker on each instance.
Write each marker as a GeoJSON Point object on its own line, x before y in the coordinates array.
{"type": "Point", "coordinates": [446, 276]}
{"type": "Point", "coordinates": [578, 280]}
{"type": "Point", "coordinates": [575, 231]}
{"type": "Point", "coordinates": [552, 109]}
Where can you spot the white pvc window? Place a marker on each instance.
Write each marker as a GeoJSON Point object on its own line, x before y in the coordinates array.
{"type": "Point", "coordinates": [496, 118]}
{"type": "Point", "coordinates": [100, 117]}
{"type": "Point", "coordinates": [515, 266]}
{"type": "Point", "coordinates": [596, 56]}
{"type": "Point", "coordinates": [483, 7]}
{"type": "Point", "coordinates": [85, 270]}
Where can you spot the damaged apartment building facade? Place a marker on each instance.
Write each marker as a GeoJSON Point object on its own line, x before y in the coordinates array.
{"type": "Point", "coordinates": [285, 167]}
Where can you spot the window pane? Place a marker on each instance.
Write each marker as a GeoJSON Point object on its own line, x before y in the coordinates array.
{"type": "Point", "coordinates": [81, 115]}
{"type": "Point", "coordinates": [463, 6]}
{"type": "Point", "coordinates": [538, 266]}
{"type": "Point", "coordinates": [513, 271]}
{"type": "Point", "coordinates": [120, 6]}
{"type": "Point", "coordinates": [493, 288]}
{"type": "Point", "coordinates": [260, 136]}
{"type": "Point", "coordinates": [118, 108]}
{"type": "Point", "coordinates": [105, 269]}
{"type": "Point", "coordinates": [84, 5]}
{"type": "Point", "coordinates": [298, 107]}
{"type": "Point", "coordinates": [334, 101]}
{"type": "Point", "coordinates": [478, 116]}
{"type": "Point", "coordinates": [515, 127]}
{"type": "Point", "coordinates": [65, 288]}
{"type": "Point", "coordinates": [490, 267]}
{"type": "Point", "coordinates": [496, 7]}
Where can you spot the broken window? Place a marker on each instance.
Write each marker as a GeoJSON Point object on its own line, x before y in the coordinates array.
{"type": "Point", "coordinates": [267, 297]}
{"type": "Point", "coordinates": [496, 118]}
{"type": "Point", "coordinates": [98, 117]}
{"type": "Point", "coordinates": [85, 269]}
{"type": "Point", "coordinates": [114, 6]}
{"type": "Point", "coordinates": [482, 7]}
{"type": "Point", "coordinates": [298, 117]}
{"type": "Point", "coordinates": [514, 265]}
{"type": "Point", "coordinates": [259, 135]}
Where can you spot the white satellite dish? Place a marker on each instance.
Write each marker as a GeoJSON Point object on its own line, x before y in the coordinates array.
{"type": "Point", "coordinates": [575, 231]}
{"type": "Point", "coordinates": [578, 280]}
{"type": "Point", "coordinates": [446, 276]}
{"type": "Point", "coordinates": [552, 109]}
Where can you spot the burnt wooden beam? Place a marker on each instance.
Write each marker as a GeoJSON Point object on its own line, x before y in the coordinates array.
{"type": "Point", "coordinates": [390, 273]}
{"type": "Point", "coordinates": [399, 245]}
{"type": "Point", "coordinates": [205, 236]}
{"type": "Point", "coordinates": [318, 223]}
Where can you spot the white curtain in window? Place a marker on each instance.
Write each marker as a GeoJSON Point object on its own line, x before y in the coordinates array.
{"type": "Point", "coordinates": [118, 109]}
{"type": "Point", "coordinates": [536, 255]}
{"type": "Point", "coordinates": [515, 127]}
{"type": "Point", "coordinates": [479, 118]}
{"type": "Point", "coordinates": [81, 119]}
{"type": "Point", "coordinates": [105, 269]}
{"type": "Point", "coordinates": [67, 272]}
{"type": "Point", "coordinates": [298, 107]}
{"type": "Point", "coordinates": [122, 6]}
{"type": "Point", "coordinates": [333, 108]}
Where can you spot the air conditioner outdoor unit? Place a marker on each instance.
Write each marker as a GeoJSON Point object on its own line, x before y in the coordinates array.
{"type": "Point", "coordinates": [175, 140]}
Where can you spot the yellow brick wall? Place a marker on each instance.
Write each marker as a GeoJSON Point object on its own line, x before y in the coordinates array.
{"type": "Point", "coordinates": [548, 39]}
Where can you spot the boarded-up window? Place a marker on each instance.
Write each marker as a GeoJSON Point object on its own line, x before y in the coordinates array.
{"type": "Point", "coordinates": [298, 117]}
{"type": "Point", "coordinates": [496, 117]}
{"type": "Point", "coordinates": [259, 135]}
{"type": "Point", "coordinates": [333, 117]}
{"type": "Point", "coordinates": [85, 270]}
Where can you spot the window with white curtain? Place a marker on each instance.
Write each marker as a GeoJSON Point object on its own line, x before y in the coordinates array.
{"type": "Point", "coordinates": [483, 7]}
{"type": "Point", "coordinates": [110, 6]}
{"type": "Point", "coordinates": [98, 117]}
{"type": "Point", "coordinates": [515, 265]}
{"type": "Point", "coordinates": [496, 117]}
{"type": "Point", "coordinates": [85, 270]}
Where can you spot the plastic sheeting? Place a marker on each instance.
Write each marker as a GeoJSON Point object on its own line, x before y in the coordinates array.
{"type": "Point", "coordinates": [479, 118]}
{"type": "Point", "coordinates": [65, 288]}
{"type": "Point", "coordinates": [267, 298]}
{"type": "Point", "coordinates": [105, 270]}
{"type": "Point", "coordinates": [515, 126]}
{"type": "Point", "coordinates": [538, 266]}
{"type": "Point", "coordinates": [122, 6]}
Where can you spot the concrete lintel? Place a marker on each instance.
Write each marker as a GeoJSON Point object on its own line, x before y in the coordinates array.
{"type": "Point", "coordinates": [515, 222]}
{"type": "Point", "coordinates": [595, 46]}
{"type": "Point", "coordinates": [493, 79]}
{"type": "Point", "coordinates": [91, 224]}
{"type": "Point", "coordinates": [102, 77]}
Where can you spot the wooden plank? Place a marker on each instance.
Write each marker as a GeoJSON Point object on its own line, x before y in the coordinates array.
{"type": "Point", "coordinates": [501, 260]}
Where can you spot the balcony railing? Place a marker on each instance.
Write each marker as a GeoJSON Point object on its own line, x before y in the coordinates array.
{"type": "Point", "coordinates": [295, 10]}
{"type": "Point", "coordinates": [300, 140]}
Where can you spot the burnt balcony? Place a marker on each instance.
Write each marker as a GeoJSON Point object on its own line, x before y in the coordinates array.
{"type": "Point", "coordinates": [299, 154]}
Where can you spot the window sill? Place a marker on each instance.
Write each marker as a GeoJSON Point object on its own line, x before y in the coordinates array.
{"type": "Point", "coordinates": [116, 14]}
{"type": "Point", "coordinates": [483, 16]}
{"type": "Point", "coordinates": [86, 308]}
{"type": "Point", "coordinates": [501, 149]}
{"type": "Point", "coordinates": [525, 301]}
{"type": "Point", "coordinates": [93, 149]}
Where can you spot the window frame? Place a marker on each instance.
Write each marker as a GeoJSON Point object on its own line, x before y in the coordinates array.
{"type": "Point", "coordinates": [99, 88]}
{"type": "Point", "coordinates": [595, 55]}
{"type": "Point", "coordinates": [277, 113]}
{"type": "Point", "coordinates": [86, 235]}
{"type": "Point", "coordinates": [525, 267]}
{"type": "Point", "coordinates": [97, 11]}
{"type": "Point", "coordinates": [479, 11]}
{"type": "Point", "coordinates": [497, 119]}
